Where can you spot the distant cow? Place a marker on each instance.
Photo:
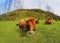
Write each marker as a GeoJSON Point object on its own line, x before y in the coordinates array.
{"type": "Point", "coordinates": [28, 25]}
{"type": "Point", "coordinates": [49, 21]}
{"type": "Point", "coordinates": [12, 18]}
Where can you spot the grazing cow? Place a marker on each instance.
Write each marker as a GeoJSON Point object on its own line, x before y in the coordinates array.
{"type": "Point", "coordinates": [12, 18]}
{"type": "Point", "coordinates": [28, 25]}
{"type": "Point", "coordinates": [49, 21]}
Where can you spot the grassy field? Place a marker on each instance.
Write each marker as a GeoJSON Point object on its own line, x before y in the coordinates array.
{"type": "Point", "coordinates": [10, 33]}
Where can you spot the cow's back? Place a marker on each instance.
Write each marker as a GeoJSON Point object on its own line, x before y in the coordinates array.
{"type": "Point", "coordinates": [22, 22]}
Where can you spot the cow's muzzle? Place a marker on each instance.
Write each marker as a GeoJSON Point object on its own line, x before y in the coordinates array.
{"type": "Point", "coordinates": [31, 32]}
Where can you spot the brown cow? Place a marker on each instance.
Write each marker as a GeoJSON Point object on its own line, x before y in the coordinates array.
{"type": "Point", "coordinates": [49, 21]}
{"type": "Point", "coordinates": [28, 25]}
{"type": "Point", "coordinates": [12, 18]}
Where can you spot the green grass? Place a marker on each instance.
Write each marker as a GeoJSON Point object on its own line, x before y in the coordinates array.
{"type": "Point", "coordinates": [10, 33]}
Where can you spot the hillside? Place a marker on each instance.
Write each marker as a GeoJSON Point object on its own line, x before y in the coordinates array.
{"type": "Point", "coordinates": [25, 13]}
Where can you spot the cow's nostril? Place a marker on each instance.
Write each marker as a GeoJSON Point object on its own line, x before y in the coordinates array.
{"type": "Point", "coordinates": [30, 32]}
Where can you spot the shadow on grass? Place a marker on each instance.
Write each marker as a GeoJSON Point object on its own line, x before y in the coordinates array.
{"type": "Point", "coordinates": [46, 24]}
{"type": "Point", "coordinates": [22, 33]}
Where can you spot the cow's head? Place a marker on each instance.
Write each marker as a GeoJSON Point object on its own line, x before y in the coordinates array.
{"type": "Point", "coordinates": [32, 21]}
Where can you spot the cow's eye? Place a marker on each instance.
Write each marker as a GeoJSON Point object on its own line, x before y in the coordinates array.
{"type": "Point", "coordinates": [31, 20]}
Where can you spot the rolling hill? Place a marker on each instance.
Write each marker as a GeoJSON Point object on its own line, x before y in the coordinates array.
{"type": "Point", "coordinates": [25, 13]}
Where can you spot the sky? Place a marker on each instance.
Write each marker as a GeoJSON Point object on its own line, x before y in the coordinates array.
{"type": "Point", "coordinates": [47, 5]}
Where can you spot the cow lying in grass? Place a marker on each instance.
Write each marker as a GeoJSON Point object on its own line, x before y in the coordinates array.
{"type": "Point", "coordinates": [28, 25]}
{"type": "Point", "coordinates": [49, 21]}
{"type": "Point", "coordinates": [12, 18]}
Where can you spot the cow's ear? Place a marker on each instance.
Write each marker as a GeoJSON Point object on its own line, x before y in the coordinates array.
{"type": "Point", "coordinates": [17, 24]}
